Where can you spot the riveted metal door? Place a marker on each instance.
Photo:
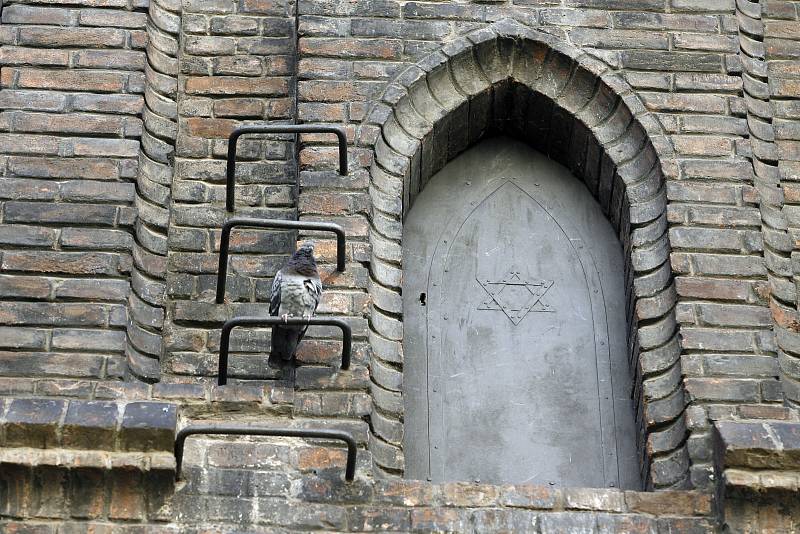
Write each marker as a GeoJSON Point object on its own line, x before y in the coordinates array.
{"type": "Point", "coordinates": [513, 300]}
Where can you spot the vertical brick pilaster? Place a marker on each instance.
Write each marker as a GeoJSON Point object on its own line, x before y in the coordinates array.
{"type": "Point", "coordinates": [779, 64]}
{"type": "Point", "coordinates": [236, 67]}
{"type": "Point", "coordinates": [154, 192]}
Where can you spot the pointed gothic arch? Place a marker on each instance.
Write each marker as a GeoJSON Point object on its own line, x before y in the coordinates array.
{"type": "Point", "coordinates": [570, 106]}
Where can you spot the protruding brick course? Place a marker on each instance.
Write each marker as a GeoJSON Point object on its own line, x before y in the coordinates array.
{"type": "Point", "coordinates": [88, 425]}
{"type": "Point", "coordinates": [279, 490]}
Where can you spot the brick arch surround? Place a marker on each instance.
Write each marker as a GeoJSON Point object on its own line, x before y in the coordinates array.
{"type": "Point", "coordinates": [521, 82]}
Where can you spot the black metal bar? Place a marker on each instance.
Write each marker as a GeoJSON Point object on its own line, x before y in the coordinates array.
{"type": "Point", "coordinates": [240, 430]}
{"type": "Point", "coordinates": [230, 324]}
{"type": "Point", "coordinates": [278, 128]}
{"type": "Point", "coordinates": [224, 243]}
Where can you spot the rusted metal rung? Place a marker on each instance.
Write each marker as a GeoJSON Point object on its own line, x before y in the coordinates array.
{"type": "Point", "coordinates": [225, 338]}
{"type": "Point", "coordinates": [243, 430]}
{"type": "Point", "coordinates": [225, 239]}
{"type": "Point", "coordinates": [277, 128]}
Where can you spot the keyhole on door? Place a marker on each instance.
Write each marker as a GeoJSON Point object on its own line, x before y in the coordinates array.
{"type": "Point", "coordinates": [422, 298]}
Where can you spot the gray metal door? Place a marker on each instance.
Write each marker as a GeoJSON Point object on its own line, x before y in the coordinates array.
{"type": "Point", "coordinates": [515, 364]}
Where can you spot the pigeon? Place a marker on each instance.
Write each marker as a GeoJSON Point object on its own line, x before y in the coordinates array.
{"type": "Point", "coordinates": [296, 292]}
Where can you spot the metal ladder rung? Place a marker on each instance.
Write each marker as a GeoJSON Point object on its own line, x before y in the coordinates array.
{"type": "Point", "coordinates": [241, 430]}
{"type": "Point", "coordinates": [230, 324]}
{"type": "Point", "coordinates": [277, 128]}
{"type": "Point", "coordinates": [225, 238]}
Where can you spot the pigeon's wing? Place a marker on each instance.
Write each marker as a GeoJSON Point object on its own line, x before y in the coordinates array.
{"type": "Point", "coordinates": [275, 298]}
{"type": "Point", "coordinates": [314, 288]}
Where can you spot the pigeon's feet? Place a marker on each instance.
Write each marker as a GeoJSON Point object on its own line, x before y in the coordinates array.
{"type": "Point", "coordinates": [285, 317]}
{"type": "Point", "coordinates": [306, 316]}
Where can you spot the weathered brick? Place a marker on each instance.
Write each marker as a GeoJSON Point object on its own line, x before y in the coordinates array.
{"type": "Point", "coordinates": [683, 503]}
{"type": "Point", "coordinates": [60, 213]}
{"type": "Point", "coordinates": [90, 425]}
{"type": "Point", "coordinates": [235, 25]}
{"type": "Point", "coordinates": [712, 6]}
{"type": "Point", "coordinates": [71, 80]}
{"type": "Point", "coordinates": [625, 39]}
{"type": "Point", "coordinates": [229, 85]}
{"type": "Point", "coordinates": [437, 519]}
{"type": "Point", "coordinates": [72, 37]}
{"type": "Point", "coordinates": [79, 123]}
{"type": "Point", "coordinates": [112, 18]}
{"type": "Point", "coordinates": [23, 14]}
{"type": "Point", "coordinates": [110, 59]}
{"type": "Point", "coordinates": [713, 239]}
{"type": "Point", "coordinates": [29, 144]}
{"type": "Point", "coordinates": [22, 338]}
{"type": "Point", "coordinates": [14, 55]}
{"type": "Point", "coordinates": [672, 61]}
{"type": "Point", "coordinates": [87, 495]}
{"type": "Point", "coordinates": [93, 289]}
{"type": "Point", "coordinates": [32, 100]}
{"type": "Point", "coordinates": [52, 313]}
{"type": "Point", "coordinates": [717, 264]}
{"type": "Point", "coordinates": [722, 389]}
{"type": "Point", "coordinates": [352, 48]}
{"type": "Point", "coordinates": [665, 21]}
{"type": "Point", "coordinates": [100, 340]}
{"type": "Point", "coordinates": [248, 455]}
{"type": "Point", "coordinates": [594, 499]}
{"type": "Point", "coordinates": [239, 66]}
{"type": "Point", "coordinates": [89, 168]}
{"type": "Point", "coordinates": [21, 235]}
{"type": "Point", "coordinates": [461, 494]}
{"type": "Point", "coordinates": [116, 103]}
{"type": "Point", "coordinates": [406, 492]}
{"type": "Point", "coordinates": [697, 103]}
{"type": "Point", "coordinates": [148, 426]}
{"type": "Point", "coordinates": [705, 145]}
{"type": "Point", "coordinates": [265, 7]}
{"type": "Point", "coordinates": [369, 518]}
{"type": "Point", "coordinates": [33, 422]}
{"type": "Point", "coordinates": [86, 263]}
{"type": "Point", "coordinates": [127, 495]}
{"type": "Point", "coordinates": [24, 286]}
{"type": "Point", "coordinates": [723, 289]}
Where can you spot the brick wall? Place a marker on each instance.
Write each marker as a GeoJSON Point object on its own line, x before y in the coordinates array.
{"type": "Point", "coordinates": [113, 119]}
{"type": "Point", "coordinates": [77, 466]}
{"type": "Point", "coordinates": [236, 66]}
{"type": "Point", "coordinates": [71, 101]}
{"type": "Point", "coordinates": [263, 484]}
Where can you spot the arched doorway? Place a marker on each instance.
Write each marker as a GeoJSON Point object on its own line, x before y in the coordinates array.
{"type": "Point", "coordinates": [513, 80]}
{"type": "Point", "coordinates": [515, 330]}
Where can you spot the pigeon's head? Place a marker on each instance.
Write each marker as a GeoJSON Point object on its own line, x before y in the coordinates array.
{"type": "Point", "coordinates": [303, 259]}
{"type": "Point", "coordinates": [307, 249]}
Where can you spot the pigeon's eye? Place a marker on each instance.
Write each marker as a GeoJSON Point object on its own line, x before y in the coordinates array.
{"type": "Point", "coordinates": [422, 298]}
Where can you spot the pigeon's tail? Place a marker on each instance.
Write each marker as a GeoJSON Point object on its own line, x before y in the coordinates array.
{"type": "Point", "coordinates": [284, 344]}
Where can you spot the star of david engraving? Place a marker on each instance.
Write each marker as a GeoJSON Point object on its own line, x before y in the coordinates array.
{"type": "Point", "coordinates": [515, 297]}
